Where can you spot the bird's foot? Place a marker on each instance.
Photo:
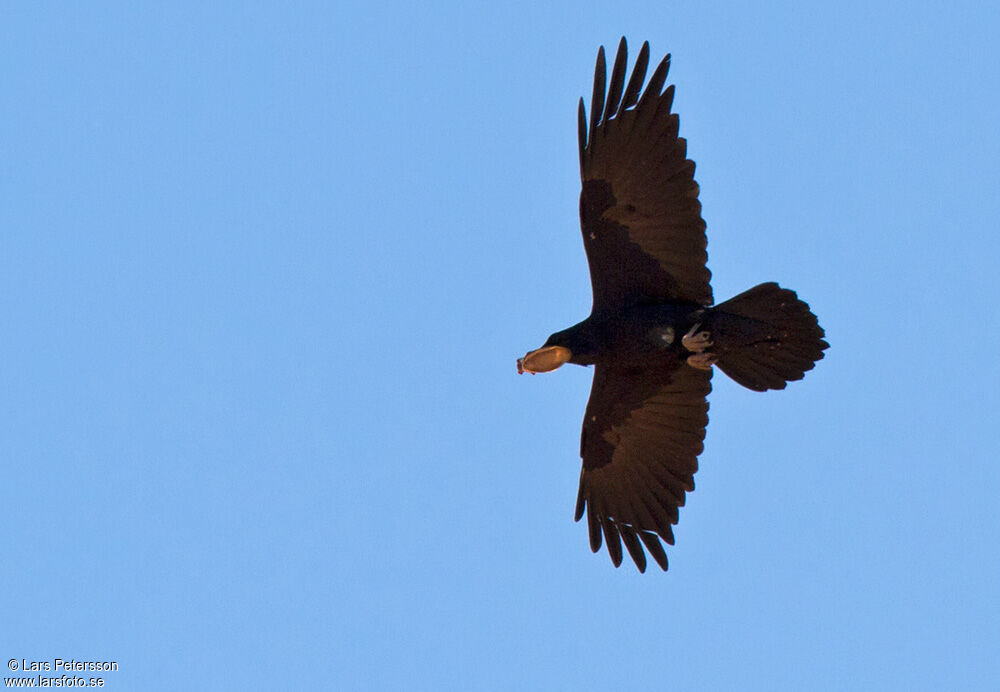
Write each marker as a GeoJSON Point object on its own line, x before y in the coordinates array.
{"type": "Point", "coordinates": [696, 341]}
{"type": "Point", "coordinates": [702, 361]}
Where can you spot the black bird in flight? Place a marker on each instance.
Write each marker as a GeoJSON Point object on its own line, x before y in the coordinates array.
{"type": "Point", "coordinates": [653, 334]}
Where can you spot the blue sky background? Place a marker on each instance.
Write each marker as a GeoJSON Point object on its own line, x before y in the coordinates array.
{"type": "Point", "coordinates": [264, 272]}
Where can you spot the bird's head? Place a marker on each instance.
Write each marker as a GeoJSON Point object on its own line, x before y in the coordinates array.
{"type": "Point", "coordinates": [559, 349]}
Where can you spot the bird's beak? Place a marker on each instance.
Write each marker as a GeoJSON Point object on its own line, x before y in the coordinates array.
{"type": "Point", "coordinates": [544, 359]}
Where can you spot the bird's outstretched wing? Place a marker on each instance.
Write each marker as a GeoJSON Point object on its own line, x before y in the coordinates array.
{"type": "Point", "coordinates": [642, 434]}
{"type": "Point", "coordinates": [639, 208]}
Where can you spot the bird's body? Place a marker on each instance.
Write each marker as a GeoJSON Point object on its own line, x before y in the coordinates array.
{"type": "Point", "coordinates": [635, 336]}
{"type": "Point", "coordinates": [653, 334]}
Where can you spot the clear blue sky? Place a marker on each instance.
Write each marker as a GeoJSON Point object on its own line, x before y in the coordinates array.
{"type": "Point", "coordinates": [264, 272]}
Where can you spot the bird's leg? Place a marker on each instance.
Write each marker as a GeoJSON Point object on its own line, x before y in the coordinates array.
{"type": "Point", "coordinates": [696, 341]}
{"type": "Point", "coordinates": [698, 344]}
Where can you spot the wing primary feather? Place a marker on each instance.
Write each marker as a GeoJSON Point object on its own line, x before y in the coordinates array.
{"type": "Point", "coordinates": [667, 97]}
{"type": "Point", "coordinates": [655, 549]}
{"type": "Point", "coordinates": [617, 81]}
{"type": "Point", "coordinates": [662, 522]}
{"type": "Point", "coordinates": [638, 515]}
{"type": "Point", "coordinates": [633, 546]}
{"type": "Point", "coordinates": [594, 527]}
{"type": "Point", "coordinates": [650, 514]}
{"type": "Point", "coordinates": [597, 99]}
{"type": "Point", "coordinates": [638, 77]}
{"type": "Point", "coordinates": [666, 500]}
{"type": "Point", "coordinates": [613, 539]}
{"type": "Point", "coordinates": [664, 488]}
{"type": "Point", "coordinates": [643, 121]}
{"type": "Point", "coordinates": [645, 112]}
{"type": "Point", "coordinates": [652, 91]}
{"type": "Point", "coordinates": [580, 501]}
{"type": "Point", "coordinates": [582, 132]}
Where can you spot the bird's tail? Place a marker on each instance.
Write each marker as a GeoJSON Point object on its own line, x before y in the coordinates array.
{"type": "Point", "coordinates": [766, 337]}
